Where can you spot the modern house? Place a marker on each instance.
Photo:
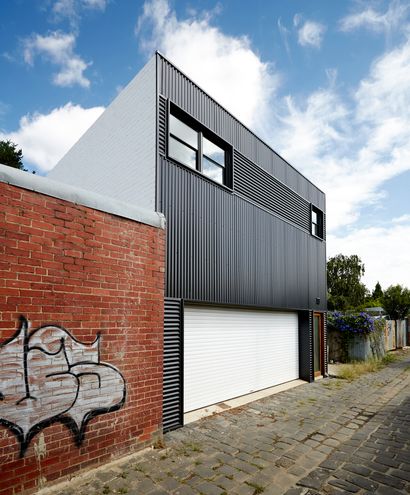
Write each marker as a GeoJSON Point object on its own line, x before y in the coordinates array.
{"type": "Point", "coordinates": [246, 253]}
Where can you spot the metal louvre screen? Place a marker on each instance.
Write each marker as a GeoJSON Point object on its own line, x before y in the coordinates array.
{"type": "Point", "coordinates": [262, 188]}
{"type": "Point", "coordinates": [229, 352]}
{"type": "Point", "coordinates": [162, 125]}
{"type": "Point", "coordinates": [172, 398]}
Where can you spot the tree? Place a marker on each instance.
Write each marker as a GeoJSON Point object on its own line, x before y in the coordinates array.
{"type": "Point", "coordinates": [10, 155]}
{"type": "Point", "coordinates": [396, 302]}
{"type": "Point", "coordinates": [343, 282]}
{"type": "Point", "coordinates": [377, 293]}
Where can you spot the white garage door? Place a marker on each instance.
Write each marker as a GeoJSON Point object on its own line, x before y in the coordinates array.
{"type": "Point", "coordinates": [232, 352]}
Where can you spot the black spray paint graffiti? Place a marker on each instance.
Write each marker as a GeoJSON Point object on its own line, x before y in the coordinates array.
{"type": "Point", "coordinates": [46, 375]}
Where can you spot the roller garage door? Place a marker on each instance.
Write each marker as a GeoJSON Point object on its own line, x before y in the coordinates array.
{"type": "Point", "coordinates": [230, 352]}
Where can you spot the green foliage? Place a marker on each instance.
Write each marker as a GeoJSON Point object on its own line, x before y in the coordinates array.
{"type": "Point", "coordinates": [343, 282]}
{"type": "Point", "coordinates": [396, 302]}
{"type": "Point", "coordinates": [10, 155]}
{"type": "Point", "coordinates": [371, 303]}
{"type": "Point", "coordinates": [377, 292]}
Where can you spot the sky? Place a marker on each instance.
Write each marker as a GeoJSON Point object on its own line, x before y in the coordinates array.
{"type": "Point", "coordinates": [325, 83]}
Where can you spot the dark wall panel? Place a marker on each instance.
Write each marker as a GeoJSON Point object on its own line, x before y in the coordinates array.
{"type": "Point", "coordinates": [173, 84]}
{"type": "Point", "coordinates": [326, 357]}
{"type": "Point", "coordinates": [162, 125]}
{"type": "Point", "coordinates": [173, 365]}
{"type": "Point", "coordinates": [224, 249]}
{"type": "Point", "coordinates": [306, 345]}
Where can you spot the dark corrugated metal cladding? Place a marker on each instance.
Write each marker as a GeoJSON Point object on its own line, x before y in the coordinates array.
{"type": "Point", "coordinates": [223, 249]}
{"type": "Point", "coordinates": [306, 346]}
{"type": "Point", "coordinates": [183, 92]}
{"type": "Point", "coordinates": [326, 357]}
{"type": "Point", "coordinates": [173, 362]}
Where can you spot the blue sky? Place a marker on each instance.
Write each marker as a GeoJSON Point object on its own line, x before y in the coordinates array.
{"type": "Point", "coordinates": [326, 84]}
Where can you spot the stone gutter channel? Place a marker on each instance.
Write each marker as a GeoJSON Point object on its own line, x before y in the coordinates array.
{"type": "Point", "coordinates": [329, 437]}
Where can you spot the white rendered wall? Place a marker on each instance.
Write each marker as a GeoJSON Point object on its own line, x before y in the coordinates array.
{"type": "Point", "coordinates": [116, 156]}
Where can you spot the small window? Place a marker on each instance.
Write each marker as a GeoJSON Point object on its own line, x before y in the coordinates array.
{"type": "Point", "coordinates": [317, 222]}
{"type": "Point", "coordinates": [197, 148]}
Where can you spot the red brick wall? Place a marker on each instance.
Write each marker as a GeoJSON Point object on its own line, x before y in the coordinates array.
{"type": "Point", "coordinates": [88, 272]}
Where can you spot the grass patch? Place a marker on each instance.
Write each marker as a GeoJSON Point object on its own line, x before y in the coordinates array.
{"type": "Point", "coordinates": [390, 358]}
{"type": "Point", "coordinates": [354, 370]}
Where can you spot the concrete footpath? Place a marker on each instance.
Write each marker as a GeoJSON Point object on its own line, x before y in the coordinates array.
{"type": "Point", "coordinates": [329, 437]}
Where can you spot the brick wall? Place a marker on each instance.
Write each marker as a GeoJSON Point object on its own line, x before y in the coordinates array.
{"type": "Point", "coordinates": [68, 398]}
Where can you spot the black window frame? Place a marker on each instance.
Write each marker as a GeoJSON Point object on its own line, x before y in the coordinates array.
{"type": "Point", "coordinates": [203, 132]}
{"type": "Point", "coordinates": [317, 228]}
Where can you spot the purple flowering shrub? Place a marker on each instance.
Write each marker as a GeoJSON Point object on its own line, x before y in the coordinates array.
{"type": "Point", "coordinates": [349, 324]}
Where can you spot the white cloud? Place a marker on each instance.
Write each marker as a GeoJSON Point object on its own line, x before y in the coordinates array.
{"type": "Point", "coordinates": [402, 218]}
{"type": "Point", "coordinates": [95, 4]}
{"type": "Point", "coordinates": [351, 147]}
{"type": "Point", "coordinates": [284, 34]}
{"type": "Point", "coordinates": [376, 21]}
{"type": "Point", "coordinates": [311, 34]}
{"type": "Point", "coordinates": [72, 9]}
{"type": "Point", "coordinates": [383, 251]}
{"type": "Point", "coordinates": [225, 66]}
{"type": "Point", "coordinates": [58, 48]}
{"type": "Point", "coordinates": [45, 138]}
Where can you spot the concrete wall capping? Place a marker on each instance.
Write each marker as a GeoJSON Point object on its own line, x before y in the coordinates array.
{"type": "Point", "coordinates": [80, 196]}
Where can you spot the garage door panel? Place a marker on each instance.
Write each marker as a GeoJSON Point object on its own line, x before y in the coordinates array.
{"type": "Point", "coordinates": [230, 352]}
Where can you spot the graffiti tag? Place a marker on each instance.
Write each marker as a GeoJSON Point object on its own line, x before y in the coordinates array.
{"type": "Point", "coordinates": [46, 375]}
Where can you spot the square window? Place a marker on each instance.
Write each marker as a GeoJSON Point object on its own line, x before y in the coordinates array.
{"type": "Point", "coordinates": [194, 146]}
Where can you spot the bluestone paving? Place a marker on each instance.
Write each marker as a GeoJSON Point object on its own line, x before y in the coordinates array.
{"type": "Point", "coordinates": [328, 437]}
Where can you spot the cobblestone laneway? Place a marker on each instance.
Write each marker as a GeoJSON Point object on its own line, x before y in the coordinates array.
{"type": "Point", "coordinates": [329, 437]}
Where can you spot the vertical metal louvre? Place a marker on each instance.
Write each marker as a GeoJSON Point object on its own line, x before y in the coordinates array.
{"type": "Point", "coordinates": [306, 345]}
{"type": "Point", "coordinates": [162, 125]}
{"type": "Point", "coordinates": [173, 349]}
{"type": "Point", "coordinates": [325, 356]}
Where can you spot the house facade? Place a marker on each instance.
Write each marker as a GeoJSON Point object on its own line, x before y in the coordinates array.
{"type": "Point", "coordinates": [245, 289]}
